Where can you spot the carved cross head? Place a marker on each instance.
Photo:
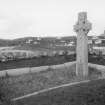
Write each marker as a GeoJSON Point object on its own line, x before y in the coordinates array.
{"type": "Point", "coordinates": [82, 17]}
{"type": "Point", "coordinates": [83, 24]}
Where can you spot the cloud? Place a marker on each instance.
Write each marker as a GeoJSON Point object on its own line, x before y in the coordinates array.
{"type": "Point", "coordinates": [49, 17]}
{"type": "Point", "coordinates": [13, 24]}
{"type": "Point", "coordinates": [18, 26]}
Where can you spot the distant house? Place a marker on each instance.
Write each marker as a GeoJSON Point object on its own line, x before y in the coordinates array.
{"type": "Point", "coordinates": [99, 49]}
{"type": "Point", "coordinates": [35, 42]}
{"type": "Point", "coordinates": [38, 38]}
{"type": "Point", "coordinates": [29, 41]}
{"type": "Point", "coordinates": [98, 41]}
{"type": "Point", "coordinates": [71, 43]}
{"type": "Point", "coordinates": [95, 38]}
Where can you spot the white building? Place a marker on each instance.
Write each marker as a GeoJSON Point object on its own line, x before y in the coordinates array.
{"type": "Point", "coordinates": [99, 41]}
{"type": "Point", "coordinates": [29, 41]}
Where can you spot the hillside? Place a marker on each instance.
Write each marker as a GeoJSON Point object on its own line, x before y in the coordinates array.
{"type": "Point", "coordinates": [24, 39]}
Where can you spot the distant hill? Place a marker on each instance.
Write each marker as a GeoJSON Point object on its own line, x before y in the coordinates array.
{"type": "Point", "coordinates": [21, 41]}
{"type": "Point", "coordinates": [4, 42]}
{"type": "Point", "coordinates": [42, 40]}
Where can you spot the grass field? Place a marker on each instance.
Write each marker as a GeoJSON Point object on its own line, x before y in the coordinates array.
{"type": "Point", "coordinates": [28, 83]}
{"type": "Point", "coordinates": [47, 60]}
{"type": "Point", "coordinates": [95, 59]}
{"type": "Point", "coordinates": [92, 93]}
{"type": "Point", "coordinates": [35, 62]}
{"type": "Point", "coordinates": [42, 47]}
{"type": "Point", "coordinates": [25, 84]}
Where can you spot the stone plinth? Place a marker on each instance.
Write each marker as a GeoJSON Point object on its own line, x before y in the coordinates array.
{"type": "Point", "coordinates": [82, 28]}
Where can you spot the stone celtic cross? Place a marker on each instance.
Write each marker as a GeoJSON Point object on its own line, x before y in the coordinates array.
{"type": "Point", "coordinates": [82, 28]}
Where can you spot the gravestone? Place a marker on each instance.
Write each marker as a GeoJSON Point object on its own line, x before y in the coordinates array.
{"type": "Point", "coordinates": [82, 28]}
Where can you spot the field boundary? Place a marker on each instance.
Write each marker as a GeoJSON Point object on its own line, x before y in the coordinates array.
{"type": "Point", "coordinates": [20, 71]}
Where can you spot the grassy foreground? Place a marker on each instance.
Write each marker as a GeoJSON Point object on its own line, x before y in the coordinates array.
{"type": "Point", "coordinates": [29, 83]}
{"type": "Point", "coordinates": [13, 87]}
{"type": "Point", "coordinates": [92, 93]}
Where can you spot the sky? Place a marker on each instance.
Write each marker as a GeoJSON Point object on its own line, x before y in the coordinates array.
{"type": "Point", "coordinates": [39, 18]}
